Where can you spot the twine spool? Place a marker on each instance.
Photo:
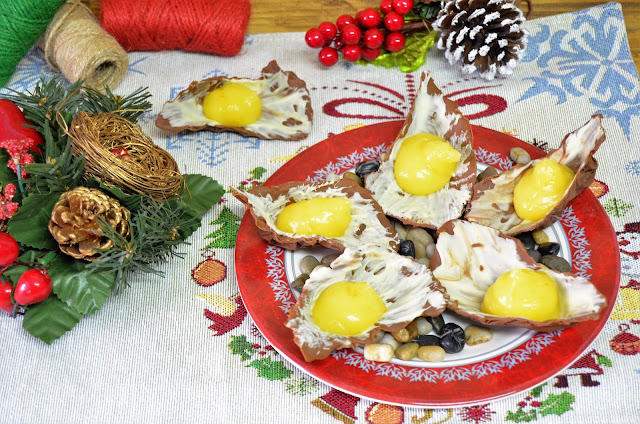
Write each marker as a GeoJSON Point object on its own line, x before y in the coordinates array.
{"type": "Point", "coordinates": [22, 22]}
{"type": "Point", "coordinates": [77, 45]}
{"type": "Point", "coordinates": [207, 26]}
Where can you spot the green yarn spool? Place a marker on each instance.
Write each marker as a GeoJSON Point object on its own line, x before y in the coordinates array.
{"type": "Point", "coordinates": [21, 23]}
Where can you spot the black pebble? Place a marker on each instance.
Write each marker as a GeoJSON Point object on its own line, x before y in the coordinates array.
{"type": "Point", "coordinates": [367, 167]}
{"type": "Point", "coordinates": [427, 340]}
{"type": "Point", "coordinates": [556, 263]}
{"type": "Point", "coordinates": [534, 254]}
{"type": "Point", "coordinates": [527, 240]}
{"type": "Point", "coordinates": [407, 248]}
{"type": "Point", "coordinates": [437, 323]}
{"type": "Point", "coordinates": [550, 248]}
{"type": "Point", "coordinates": [452, 340]}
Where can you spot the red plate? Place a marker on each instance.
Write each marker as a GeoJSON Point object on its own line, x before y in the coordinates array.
{"type": "Point", "coordinates": [532, 359]}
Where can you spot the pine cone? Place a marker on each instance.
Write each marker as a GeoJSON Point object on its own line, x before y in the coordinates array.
{"type": "Point", "coordinates": [74, 222]}
{"type": "Point", "coordinates": [484, 35]}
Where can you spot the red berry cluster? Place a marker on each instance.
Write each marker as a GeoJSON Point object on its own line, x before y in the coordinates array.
{"type": "Point", "coordinates": [362, 37]}
{"type": "Point", "coordinates": [33, 286]}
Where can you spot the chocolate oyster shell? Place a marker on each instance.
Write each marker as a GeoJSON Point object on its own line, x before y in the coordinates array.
{"type": "Point", "coordinates": [492, 200]}
{"type": "Point", "coordinates": [431, 112]}
{"type": "Point", "coordinates": [292, 242]}
{"type": "Point", "coordinates": [345, 271]}
{"type": "Point", "coordinates": [461, 306]}
{"type": "Point", "coordinates": [297, 129]}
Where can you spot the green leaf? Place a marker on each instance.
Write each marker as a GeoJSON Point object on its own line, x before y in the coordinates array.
{"type": "Point", "coordinates": [188, 219]}
{"type": "Point", "coordinates": [15, 272]}
{"type": "Point", "coordinates": [240, 346]}
{"type": "Point", "coordinates": [409, 59]}
{"type": "Point", "coordinates": [29, 226]}
{"type": "Point", "coordinates": [273, 370]}
{"type": "Point", "coordinates": [7, 176]}
{"type": "Point", "coordinates": [133, 202]}
{"type": "Point", "coordinates": [74, 283]}
{"type": "Point", "coordinates": [557, 404]}
{"type": "Point", "coordinates": [50, 319]}
{"type": "Point", "coordinates": [603, 360]}
{"type": "Point", "coordinates": [200, 192]}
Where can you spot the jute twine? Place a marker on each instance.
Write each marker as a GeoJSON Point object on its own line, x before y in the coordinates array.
{"type": "Point", "coordinates": [148, 170]}
{"type": "Point", "coordinates": [77, 45]}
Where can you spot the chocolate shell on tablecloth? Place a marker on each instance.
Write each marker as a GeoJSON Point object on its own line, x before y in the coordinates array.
{"type": "Point", "coordinates": [286, 106]}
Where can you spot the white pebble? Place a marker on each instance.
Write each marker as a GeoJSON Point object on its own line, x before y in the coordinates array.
{"type": "Point", "coordinates": [378, 352]}
{"type": "Point", "coordinates": [475, 334]}
{"type": "Point", "coordinates": [388, 339]}
{"type": "Point", "coordinates": [424, 261]}
{"type": "Point", "coordinates": [402, 232]}
{"type": "Point", "coordinates": [419, 236]}
{"type": "Point", "coordinates": [424, 326]}
{"type": "Point", "coordinates": [421, 250]}
{"type": "Point", "coordinates": [431, 250]}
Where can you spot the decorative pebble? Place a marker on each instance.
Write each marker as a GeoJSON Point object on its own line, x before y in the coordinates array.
{"type": "Point", "coordinates": [384, 156]}
{"type": "Point", "coordinates": [402, 232]}
{"type": "Point", "coordinates": [540, 236]}
{"type": "Point", "coordinates": [431, 353]}
{"type": "Point", "coordinates": [424, 326]}
{"type": "Point", "coordinates": [378, 352]}
{"type": "Point", "coordinates": [388, 339]}
{"type": "Point", "coordinates": [431, 249]}
{"type": "Point", "coordinates": [475, 334]}
{"type": "Point", "coordinates": [308, 263]}
{"type": "Point", "coordinates": [421, 250]}
{"type": "Point", "coordinates": [352, 176]}
{"type": "Point", "coordinates": [367, 167]}
{"type": "Point", "coordinates": [437, 323]}
{"type": "Point", "coordinates": [419, 235]}
{"type": "Point", "coordinates": [424, 261]}
{"type": "Point", "coordinates": [298, 283]}
{"type": "Point", "coordinates": [519, 155]}
{"type": "Point", "coordinates": [527, 240]}
{"type": "Point", "coordinates": [550, 248]}
{"type": "Point", "coordinates": [488, 172]}
{"type": "Point", "coordinates": [326, 260]}
{"type": "Point", "coordinates": [408, 333]}
{"type": "Point", "coordinates": [556, 263]}
{"type": "Point", "coordinates": [452, 340]}
{"type": "Point", "coordinates": [427, 340]}
{"type": "Point", "coordinates": [535, 255]}
{"type": "Point", "coordinates": [407, 351]}
{"type": "Point", "coordinates": [407, 248]}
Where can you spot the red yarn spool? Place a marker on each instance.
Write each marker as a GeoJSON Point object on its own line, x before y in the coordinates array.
{"type": "Point", "coordinates": [206, 26]}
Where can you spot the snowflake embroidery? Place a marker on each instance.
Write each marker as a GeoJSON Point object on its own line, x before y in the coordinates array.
{"type": "Point", "coordinates": [31, 69]}
{"type": "Point", "coordinates": [592, 60]}
{"type": "Point", "coordinates": [633, 167]}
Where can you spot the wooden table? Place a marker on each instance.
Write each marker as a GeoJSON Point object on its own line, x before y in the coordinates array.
{"type": "Point", "coordinates": [286, 16]}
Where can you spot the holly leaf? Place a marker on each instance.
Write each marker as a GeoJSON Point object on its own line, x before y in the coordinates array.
{"type": "Point", "coordinates": [29, 226]}
{"type": "Point", "coordinates": [537, 391]}
{"type": "Point", "coordinates": [557, 404]}
{"type": "Point", "coordinates": [200, 192]}
{"type": "Point", "coordinates": [7, 176]}
{"type": "Point", "coordinates": [15, 272]}
{"type": "Point", "coordinates": [50, 319]}
{"type": "Point", "coordinates": [409, 59]}
{"type": "Point", "coordinates": [603, 360]}
{"type": "Point", "coordinates": [83, 289]}
{"type": "Point", "coordinates": [240, 346]}
{"type": "Point", "coordinates": [273, 370]}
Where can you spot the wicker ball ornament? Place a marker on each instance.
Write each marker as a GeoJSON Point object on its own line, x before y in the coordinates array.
{"type": "Point", "coordinates": [118, 153]}
{"type": "Point", "coordinates": [482, 35]}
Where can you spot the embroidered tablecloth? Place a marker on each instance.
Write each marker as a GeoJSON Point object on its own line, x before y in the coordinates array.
{"type": "Point", "coordinates": [181, 348]}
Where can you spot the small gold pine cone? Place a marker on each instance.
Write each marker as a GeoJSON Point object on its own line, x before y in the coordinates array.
{"type": "Point", "coordinates": [74, 222]}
